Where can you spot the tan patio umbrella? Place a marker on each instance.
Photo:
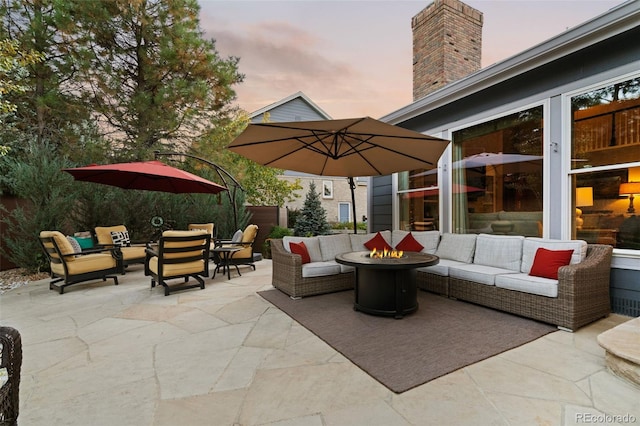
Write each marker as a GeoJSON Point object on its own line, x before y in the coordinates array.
{"type": "Point", "coordinates": [347, 147]}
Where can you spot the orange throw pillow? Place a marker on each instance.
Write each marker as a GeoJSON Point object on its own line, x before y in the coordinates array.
{"type": "Point", "coordinates": [547, 262]}
{"type": "Point", "coordinates": [301, 249]}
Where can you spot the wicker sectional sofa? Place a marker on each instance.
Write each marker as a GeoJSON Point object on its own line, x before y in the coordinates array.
{"type": "Point", "coordinates": [490, 270]}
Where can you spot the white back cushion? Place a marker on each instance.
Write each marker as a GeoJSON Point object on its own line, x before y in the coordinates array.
{"type": "Point", "coordinates": [358, 240]}
{"type": "Point", "coordinates": [312, 244]}
{"type": "Point", "coordinates": [428, 239]}
{"type": "Point", "coordinates": [458, 247]}
{"type": "Point", "coordinates": [501, 251]}
{"type": "Point", "coordinates": [531, 245]}
{"type": "Point", "coordinates": [331, 245]}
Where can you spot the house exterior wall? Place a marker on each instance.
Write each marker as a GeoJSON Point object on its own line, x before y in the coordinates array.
{"type": "Point", "coordinates": [607, 58]}
{"type": "Point", "coordinates": [295, 110]}
{"type": "Point", "coordinates": [341, 194]}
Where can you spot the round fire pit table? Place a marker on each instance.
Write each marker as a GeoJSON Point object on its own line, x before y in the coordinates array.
{"type": "Point", "coordinates": [386, 286]}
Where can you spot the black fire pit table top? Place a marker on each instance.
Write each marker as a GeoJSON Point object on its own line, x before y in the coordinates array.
{"type": "Point", "coordinates": [361, 259]}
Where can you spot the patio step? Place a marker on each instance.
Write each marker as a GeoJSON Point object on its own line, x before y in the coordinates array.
{"type": "Point", "coordinates": [622, 346]}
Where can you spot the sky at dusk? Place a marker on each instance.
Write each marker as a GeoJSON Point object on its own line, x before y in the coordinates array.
{"type": "Point", "coordinates": [353, 58]}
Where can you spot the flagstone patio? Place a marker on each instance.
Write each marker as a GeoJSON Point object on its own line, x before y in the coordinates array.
{"type": "Point", "coordinates": [127, 355]}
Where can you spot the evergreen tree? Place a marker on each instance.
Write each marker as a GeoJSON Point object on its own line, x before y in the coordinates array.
{"type": "Point", "coordinates": [313, 217]}
{"type": "Point", "coordinates": [150, 76]}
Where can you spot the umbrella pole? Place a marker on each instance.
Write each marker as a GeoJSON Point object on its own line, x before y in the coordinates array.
{"type": "Point", "coordinates": [352, 185]}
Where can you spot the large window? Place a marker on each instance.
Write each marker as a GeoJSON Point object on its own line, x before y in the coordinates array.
{"type": "Point", "coordinates": [605, 158]}
{"type": "Point", "coordinates": [497, 175]}
{"type": "Point", "coordinates": [418, 196]}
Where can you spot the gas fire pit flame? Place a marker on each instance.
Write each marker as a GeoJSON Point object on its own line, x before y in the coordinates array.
{"type": "Point", "coordinates": [386, 254]}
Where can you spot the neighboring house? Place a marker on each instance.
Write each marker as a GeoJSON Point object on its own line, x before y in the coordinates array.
{"type": "Point", "coordinates": [296, 107]}
{"type": "Point", "coordinates": [555, 135]}
{"type": "Point", "coordinates": [335, 194]}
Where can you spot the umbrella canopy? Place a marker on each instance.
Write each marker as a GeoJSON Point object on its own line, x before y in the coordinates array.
{"type": "Point", "coordinates": [348, 147]}
{"type": "Point", "coordinates": [146, 175]}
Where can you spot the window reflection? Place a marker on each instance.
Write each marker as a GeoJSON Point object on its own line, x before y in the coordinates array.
{"type": "Point", "coordinates": [418, 200]}
{"type": "Point", "coordinates": [497, 176]}
{"type": "Point", "coordinates": [606, 132]}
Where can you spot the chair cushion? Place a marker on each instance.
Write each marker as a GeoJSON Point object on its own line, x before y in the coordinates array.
{"type": "Point", "coordinates": [177, 269]}
{"type": "Point", "coordinates": [332, 245]}
{"type": "Point", "coordinates": [201, 226]}
{"type": "Point", "coordinates": [320, 269]}
{"type": "Point", "coordinates": [442, 267]}
{"type": "Point", "coordinates": [177, 244]}
{"type": "Point", "coordinates": [528, 284]}
{"type": "Point", "coordinates": [501, 251]}
{"type": "Point", "coordinates": [135, 252]}
{"type": "Point", "coordinates": [103, 233]}
{"type": "Point", "coordinates": [249, 234]}
{"type": "Point", "coordinates": [61, 241]}
{"type": "Point", "coordinates": [86, 263]}
{"type": "Point", "coordinates": [477, 273]}
{"type": "Point", "coordinates": [458, 247]}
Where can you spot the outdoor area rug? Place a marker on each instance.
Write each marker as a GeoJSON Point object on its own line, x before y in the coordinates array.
{"type": "Point", "coordinates": [442, 336]}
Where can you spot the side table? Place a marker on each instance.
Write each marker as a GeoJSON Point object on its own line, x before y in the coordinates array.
{"type": "Point", "coordinates": [225, 253]}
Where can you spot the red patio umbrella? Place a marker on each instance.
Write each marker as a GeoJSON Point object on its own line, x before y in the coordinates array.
{"type": "Point", "coordinates": [146, 175]}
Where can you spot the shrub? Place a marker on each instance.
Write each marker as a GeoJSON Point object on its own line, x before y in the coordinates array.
{"type": "Point", "coordinates": [313, 217]}
{"type": "Point", "coordinates": [276, 232]}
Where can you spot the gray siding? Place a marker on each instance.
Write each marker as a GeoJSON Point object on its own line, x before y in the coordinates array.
{"type": "Point", "coordinates": [294, 110]}
{"type": "Point", "coordinates": [382, 209]}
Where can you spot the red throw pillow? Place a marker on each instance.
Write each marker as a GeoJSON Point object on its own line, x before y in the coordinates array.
{"type": "Point", "coordinates": [547, 262]}
{"type": "Point", "coordinates": [409, 243]}
{"type": "Point", "coordinates": [301, 249]}
{"type": "Point", "coordinates": [378, 242]}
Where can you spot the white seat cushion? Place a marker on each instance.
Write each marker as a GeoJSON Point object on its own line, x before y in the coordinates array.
{"type": "Point", "coordinates": [478, 273]}
{"type": "Point", "coordinates": [442, 267]}
{"type": "Point", "coordinates": [501, 251]}
{"type": "Point", "coordinates": [528, 284]}
{"type": "Point", "coordinates": [320, 269]}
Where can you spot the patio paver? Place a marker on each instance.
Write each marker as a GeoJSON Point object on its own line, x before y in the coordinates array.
{"type": "Point", "coordinates": [128, 355]}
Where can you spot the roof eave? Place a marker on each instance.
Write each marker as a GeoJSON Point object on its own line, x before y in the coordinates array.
{"type": "Point", "coordinates": [613, 22]}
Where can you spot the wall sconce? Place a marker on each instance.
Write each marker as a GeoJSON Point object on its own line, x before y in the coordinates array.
{"type": "Point", "coordinates": [630, 189]}
{"type": "Point", "coordinates": [584, 198]}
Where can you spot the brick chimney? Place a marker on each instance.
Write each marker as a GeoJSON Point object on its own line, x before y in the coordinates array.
{"type": "Point", "coordinates": [447, 45]}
